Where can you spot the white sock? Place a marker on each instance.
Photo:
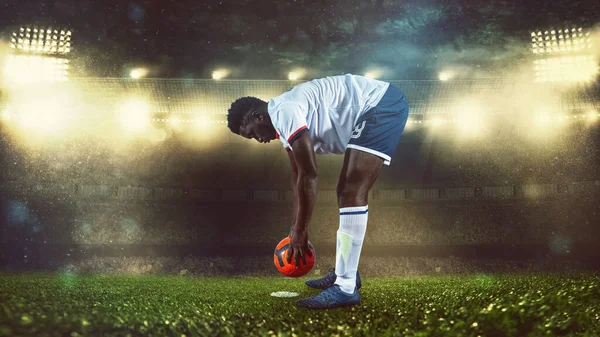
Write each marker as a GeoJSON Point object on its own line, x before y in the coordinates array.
{"type": "Point", "coordinates": [350, 237]}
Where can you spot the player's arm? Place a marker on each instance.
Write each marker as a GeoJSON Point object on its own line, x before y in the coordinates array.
{"type": "Point", "coordinates": [306, 185]}
{"type": "Point", "coordinates": [294, 168]}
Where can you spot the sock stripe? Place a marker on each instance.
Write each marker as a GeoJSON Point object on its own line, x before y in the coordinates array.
{"type": "Point", "coordinates": [354, 213]}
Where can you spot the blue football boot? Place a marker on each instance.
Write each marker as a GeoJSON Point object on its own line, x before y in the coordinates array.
{"type": "Point", "coordinates": [328, 280]}
{"type": "Point", "coordinates": [332, 297]}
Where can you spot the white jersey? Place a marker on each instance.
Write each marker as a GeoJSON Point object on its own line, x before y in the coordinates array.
{"type": "Point", "coordinates": [328, 108]}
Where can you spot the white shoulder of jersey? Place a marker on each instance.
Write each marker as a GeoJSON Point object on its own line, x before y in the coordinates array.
{"type": "Point", "coordinates": [289, 120]}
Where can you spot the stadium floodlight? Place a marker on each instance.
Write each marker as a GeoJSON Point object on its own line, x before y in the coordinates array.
{"type": "Point", "coordinates": [575, 68]}
{"type": "Point", "coordinates": [138, 73]}
{"type": "Point", "coordinates": [592, 115]}
{"type": "Point", "coordinates": [296, 74]}
{"type": "Point", "coordinates": [41, 41]}
{"type": "Point", "coordinates": [445, 76]}
{"type": "Point", "coordinates": [32, 69]}
{"type": "Point", "coordinates": [217, 75]}
{"type": "Point", "coordinates": [220, 74]}
{"type": "Point", "coordinates": [135, 114]}
{"type": "Point", "coordinates": [293, 76]}
{"type": "Point", "coordinates": [373, 74]}
{"type": "Point", "coordinates": [49, 112]}
{"type": "Point", "coordinates": [563, 55]}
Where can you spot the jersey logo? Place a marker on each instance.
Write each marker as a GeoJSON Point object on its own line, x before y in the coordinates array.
{"type": "Point", "coordinates": [358, 130]}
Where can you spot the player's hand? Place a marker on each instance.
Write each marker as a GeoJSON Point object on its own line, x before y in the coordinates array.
{"type": "Point", "coordinates": [298, 246]}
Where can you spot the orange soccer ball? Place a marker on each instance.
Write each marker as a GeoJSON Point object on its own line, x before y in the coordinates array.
{"type": "Point", "coordinates": [290, 269]}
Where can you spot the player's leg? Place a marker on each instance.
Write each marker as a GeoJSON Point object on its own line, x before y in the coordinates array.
{"type": "Point", "coordinates": [359, 173]}
{"type": "Point", "coordinates": [372, 145]}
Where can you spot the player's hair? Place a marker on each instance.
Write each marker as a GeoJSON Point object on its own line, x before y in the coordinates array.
{"type": "Point", "coordinates": [235, 115]}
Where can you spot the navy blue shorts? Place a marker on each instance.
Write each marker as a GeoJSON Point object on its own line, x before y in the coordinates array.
{"type": "Point", "coordinates": [378, 130]}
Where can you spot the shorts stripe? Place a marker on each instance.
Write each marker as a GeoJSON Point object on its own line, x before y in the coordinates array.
{"type": "Point", "coordinates": [386, 159]}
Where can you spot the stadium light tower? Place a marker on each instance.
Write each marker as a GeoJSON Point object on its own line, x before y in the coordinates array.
{"type": "Point", "coordinates": [38, 55]}
{"type": "Point", "coordinates": [563, 55]}
{"type": "Point", "coordinates": [46, 41]}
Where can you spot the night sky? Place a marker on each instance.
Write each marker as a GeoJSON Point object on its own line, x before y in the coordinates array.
{"type": "Point", "coordinates": [413, 39]}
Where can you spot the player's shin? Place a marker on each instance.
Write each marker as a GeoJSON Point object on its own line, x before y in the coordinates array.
{"type": "Point", "coordinates": [350, 237]}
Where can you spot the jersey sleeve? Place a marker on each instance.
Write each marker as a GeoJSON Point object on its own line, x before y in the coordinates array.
{"type": "Point", "coordinates": [286, 145]}
{"type": "Point", "coordinates": [291, 123]}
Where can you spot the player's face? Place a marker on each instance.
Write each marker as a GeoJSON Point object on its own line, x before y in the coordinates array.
{"type": "Point", "coordinates": [257, 127]}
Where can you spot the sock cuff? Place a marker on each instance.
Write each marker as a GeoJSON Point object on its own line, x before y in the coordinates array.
{"type": "Point", "coordinates": [357, 210]}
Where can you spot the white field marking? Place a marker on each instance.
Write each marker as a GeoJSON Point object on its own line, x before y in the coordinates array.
{"type": "Point", "coordinates": [284, 294]}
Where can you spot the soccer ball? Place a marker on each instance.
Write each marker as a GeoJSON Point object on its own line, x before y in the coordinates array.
{"type": "Point", "coordinates": [290, 269]}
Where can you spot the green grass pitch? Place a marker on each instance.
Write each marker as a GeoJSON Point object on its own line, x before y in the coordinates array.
{"type": "Point", "coordinates": [478, 305]}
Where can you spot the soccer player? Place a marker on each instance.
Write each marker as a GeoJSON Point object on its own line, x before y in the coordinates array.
{"type": "Point", "coordinates": [356, 116]}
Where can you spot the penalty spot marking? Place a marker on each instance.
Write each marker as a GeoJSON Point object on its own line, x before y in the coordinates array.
{"type": "Point", "coordinates": [284, 294]}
